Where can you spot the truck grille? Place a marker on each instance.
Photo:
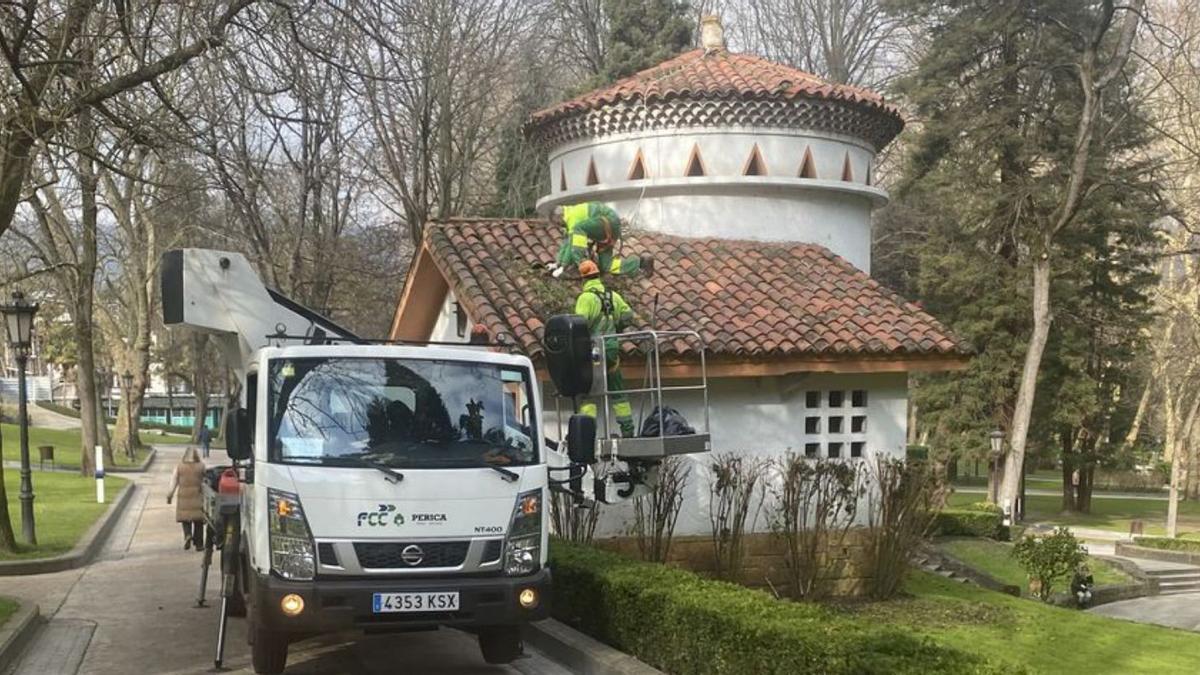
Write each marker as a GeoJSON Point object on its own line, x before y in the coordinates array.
{"type": "Point", "coordinates": [491, 552]}
{"type": "Point", "coordinates": [390, 555]}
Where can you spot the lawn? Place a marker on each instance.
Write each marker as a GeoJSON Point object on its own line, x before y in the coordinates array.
{"type": "Point", "coordinates": [995, 559]}
{"type": "Point", "coordinates": [66, 445]}
{"type": "Point", "coordinates": [1043, 639]}
{"type": "Point", "coordinates": [8, 607]}
{"type": "Point", "coordinates": [64, 508]}
{"type": "Point", "coordinates": [1107, 514]}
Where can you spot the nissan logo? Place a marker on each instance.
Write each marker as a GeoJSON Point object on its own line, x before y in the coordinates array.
{"type": "Point", "coordinates": [412, 555]}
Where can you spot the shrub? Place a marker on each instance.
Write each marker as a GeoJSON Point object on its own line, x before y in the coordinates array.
{"type": "Point", "coordinates": [655, 514]}
{"type": "Point", "coordinates": [1168, 544]}
{"type": "Point", "coordinates": [815, 504]}
{"type": "Point", "coordinates": [1049, 559]}
{"type": "Point", "coordinates": [683, 624]}
{"type": "Point", "coordinates": [734, 491]}
{"type": "Point", "coordinates": [899, 516]}
{"type": "Point", "coordinates": [571, 521]}
{"type": "Point", "coordinates": [968, 523]}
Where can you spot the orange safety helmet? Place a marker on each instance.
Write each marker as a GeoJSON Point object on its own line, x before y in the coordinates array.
{"type": "Point", "coordinates": [588, 269]}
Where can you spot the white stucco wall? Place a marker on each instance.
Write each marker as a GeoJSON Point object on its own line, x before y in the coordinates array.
{"type": "Point", "coordinates": [446, 327]}
{"type": "Point", "coordinates": [766, 417]}
{"type": "Point", "coordinates": [778, 205]}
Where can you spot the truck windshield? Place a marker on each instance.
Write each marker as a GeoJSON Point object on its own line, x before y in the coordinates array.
{"type": "Point", "coordinates": [403, 413]}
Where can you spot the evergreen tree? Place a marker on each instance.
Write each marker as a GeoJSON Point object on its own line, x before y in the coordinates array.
{"type": "Point", "coordinates": [643, 33]}
{"type": "Point", "coordinates": [999, 112]}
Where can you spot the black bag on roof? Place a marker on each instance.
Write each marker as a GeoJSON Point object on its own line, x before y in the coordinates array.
{"type": "Point", "coordinates": [673, 423]}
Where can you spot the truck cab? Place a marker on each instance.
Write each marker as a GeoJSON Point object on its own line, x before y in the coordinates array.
{"type": "Point", "coordinates": [382, 487]}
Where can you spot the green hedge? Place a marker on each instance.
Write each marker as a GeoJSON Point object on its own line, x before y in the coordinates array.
{"type": "Point", "coordinates": [1168, 544]}
{"type": "Point", "coordinates": [970, 522]}
{"type": "Point", "coordinates": [684, 624]}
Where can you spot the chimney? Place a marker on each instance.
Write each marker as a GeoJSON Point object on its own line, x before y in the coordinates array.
{"type": "Point", "coordinates": [712, 34]}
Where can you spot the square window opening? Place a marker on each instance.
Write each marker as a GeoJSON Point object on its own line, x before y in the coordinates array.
{"type": "Point", "coordinates": [856, 449]}
{"type": "Point", "coordinates": [858, 424]}
{"type": "Point", "coordinates": [836, 398]}
{"type": "Point", "coordinates": [812, 399]}
{"type": "Point", "coordinates": [812, 425]}
{"type": "Point", "coordinates": [858, 398]}
{"type": "Point", "coordinates": [835, 425]}
{"type": "Point", "coordinates": [811, 449]}
{"type": "Point", "coordinates": [833, 450]}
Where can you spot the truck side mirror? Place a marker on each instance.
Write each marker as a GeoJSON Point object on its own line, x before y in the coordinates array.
{"type": "Point", "coordinates": [568, 348]}
{"type": "Point", "coordinates": [237, 435]}
{"type": "Point", "coordinates": [581, 439]}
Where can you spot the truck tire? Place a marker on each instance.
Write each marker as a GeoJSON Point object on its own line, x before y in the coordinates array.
{"type": "Point", "coordinates": [500, 644]}
{"type": "Point", "coordinates": [268, 651]}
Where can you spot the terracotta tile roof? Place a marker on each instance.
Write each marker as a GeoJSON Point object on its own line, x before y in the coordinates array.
{"type": "Point", "coordinates": [719, 75]}
{"type": "Point", "coordinates": [749, 300]}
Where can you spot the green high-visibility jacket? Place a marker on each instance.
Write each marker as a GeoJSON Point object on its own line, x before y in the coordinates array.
{"type": "Point", "coordinates": [602, 319]}
{"type": "Point", "coordinates": [589, 222]}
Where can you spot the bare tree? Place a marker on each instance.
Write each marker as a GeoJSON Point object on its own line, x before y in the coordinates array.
{"type": "Point", "coordinates": [847, 41]}
{"type": "Point", "coordinates": [69, 56]}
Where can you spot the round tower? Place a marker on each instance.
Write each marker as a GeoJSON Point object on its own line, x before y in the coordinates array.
{"type": "Point", "coordinates": [723, 145]}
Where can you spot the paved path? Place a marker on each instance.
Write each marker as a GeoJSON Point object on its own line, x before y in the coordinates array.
{"type": "Point", "coordinates": [1058, 493]}
{"type": "Point", "coordinates": [1176, 611]}
{"type": "Point", "coordinates": [40, 417]}
{"type": "Point", "coordinates": [132, 612]}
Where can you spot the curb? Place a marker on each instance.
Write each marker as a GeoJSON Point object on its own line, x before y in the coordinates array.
{"type": "Point", "coordinates": [84, 552]}
{"type": "Point", "coordinates": [141, 468]}
{"type": "Point", "coordinates": [1162, 555]}
{"type": "Point", "coordinates": [580, 653]}
{"type": "Point", "coordinates": [16, 633]}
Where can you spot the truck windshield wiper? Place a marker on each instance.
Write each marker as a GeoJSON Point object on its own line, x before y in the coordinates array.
{"type": "Point", "coordinates": [510, 476]}
{"type": "Point", "coordinates": [393, 476]}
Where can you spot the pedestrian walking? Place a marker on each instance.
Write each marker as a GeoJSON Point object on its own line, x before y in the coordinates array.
{"type": "Point", "coordinates": [189, 510]}
{"type": "Point", "coordinates": [205, 438]}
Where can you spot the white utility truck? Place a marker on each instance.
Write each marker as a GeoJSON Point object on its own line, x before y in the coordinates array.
{"type": "Point", "coordinates": [391, 487]}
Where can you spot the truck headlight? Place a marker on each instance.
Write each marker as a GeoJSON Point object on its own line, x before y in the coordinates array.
{"type": "Point", "coordinates": [523, 549]}
{"type": "Point", "coordinates": [292, 555]}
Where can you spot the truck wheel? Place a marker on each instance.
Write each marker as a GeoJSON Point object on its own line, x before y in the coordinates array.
{"type": "Point", "coordinates": [500, 644]}
{"type": "Point", "coordinates": [268, 651]}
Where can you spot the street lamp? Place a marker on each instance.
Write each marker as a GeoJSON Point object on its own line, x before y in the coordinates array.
{"type": "Point", "coordinates": [127, 379]}
{"type": "Point", "coordinates": [997, 440]}
{"type": "Point", "coordinates": [18, 323]}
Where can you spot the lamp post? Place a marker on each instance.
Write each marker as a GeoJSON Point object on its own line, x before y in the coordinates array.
{"type": "Point", "coordinates": [18, 323]}
{"type": "Point", "coordinates": [127, 379]}
{"type": "Point", "coordinates": [996, 438]}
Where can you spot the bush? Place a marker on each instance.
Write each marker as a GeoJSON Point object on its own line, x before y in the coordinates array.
{"type": "Point", "coordinates": [1049, 559]}
{"type": "Point", "coordinates": [1168, 544]}
{"type": "Point", "coordinates": [900, 512]}
{"type": "Point", "coordinates": [970, 523]}
{"type": "Point", "coordinates": [683, 624]}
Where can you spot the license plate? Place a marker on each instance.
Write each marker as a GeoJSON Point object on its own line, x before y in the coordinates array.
{"type": "Point", "coordinates": [436, 601]}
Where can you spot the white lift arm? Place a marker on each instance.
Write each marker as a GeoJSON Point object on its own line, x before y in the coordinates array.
{"type": "Point", "coordinates": [220, 293]}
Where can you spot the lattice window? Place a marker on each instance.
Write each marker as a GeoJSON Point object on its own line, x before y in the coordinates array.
{"type": "Point", "coordinates": [835, 423]}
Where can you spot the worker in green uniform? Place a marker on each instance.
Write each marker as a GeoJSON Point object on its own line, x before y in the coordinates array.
{"type": "Point", "coordinates": [591, 231]}
{"type": "Point", "coordinates": [606, 313]}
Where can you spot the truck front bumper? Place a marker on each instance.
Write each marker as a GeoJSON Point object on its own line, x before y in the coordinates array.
{"type": "Point", "coordinates": [337, 604]}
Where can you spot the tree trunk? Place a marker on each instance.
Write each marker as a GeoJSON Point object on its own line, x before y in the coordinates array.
{"type": "Point", "coordinates": [1033, 360]}
{"type": "Point", "coordinates": [1068, 468]}
{"type": "Point", "coordinates": [8, 540]}
{"type": "Point", "coordinates": [1173, 495]}
{"type": "Point", "coordinates": [1136, 427]}
{"type": "Point", "coordinates": [84, 330]}
{"type": "Point", "coordinates": [1087, 477]}
{"type": "Point", "coordinates": [102, 435]}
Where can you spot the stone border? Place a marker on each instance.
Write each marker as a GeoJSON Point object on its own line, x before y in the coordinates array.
{"type": "Point", "coordinates": [84, 551]}
{"type": "Point", "coordinates": [141, 468]}
{"type": "Point", "coordinates": [580, 653]}
{"type": "Point", "coordinates": [1159, 554]}
{"type": "Point", "coordinates": [17, 632]}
